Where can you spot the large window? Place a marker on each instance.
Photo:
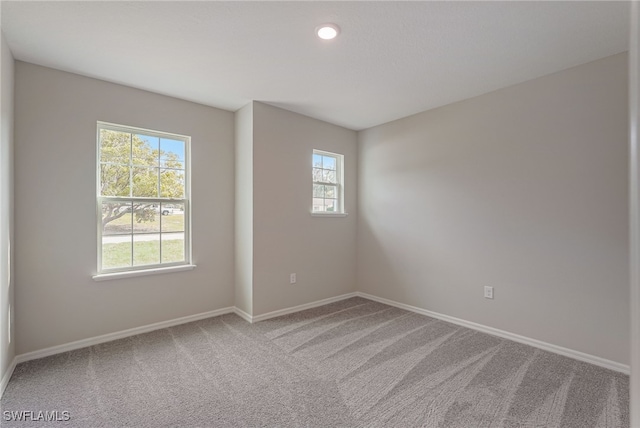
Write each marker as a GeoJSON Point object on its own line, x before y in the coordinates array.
{"type": "Point", "coordinates": [142, 199]}
{"type": "Point", "coordinates": [327, 183]}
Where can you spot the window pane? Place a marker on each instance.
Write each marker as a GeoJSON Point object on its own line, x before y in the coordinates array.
{"type": "Point", "coordinates": [145, 150]}
{"type": "Point", "coordinates": [145, 182]}
{"type": "Point", "coordinates": [329, 176]}
{"type": "Point", "coordinates": [330, 205]}
{"type": "Point", "coordinates": [145, 218]}
{"type": "Point", "coordinates": [318, 191]}
{"type": "Point", "coordinates": [172, 183]}
{"type": "Point", "coordinates": [114, 180]}
{"type": "Point", "coordinates": [115, 146]}
{"type": "Point", "coordinates": [329, 162]}
{"type": "Point", "coordinates": [330, 192]}
{"type": "Point", "coordinates": [317, 161]}
{"type": "Point", "coordinates": [172, 217]}
{"type": "Point", "coordinates": [172, 153]}
{"type": "Point", "coordinates": [116, 251]}
{"type": "Point", "coordinates": [317, 174]}
{"type": "Point", "coordinates": [116, 218]}
{"type": "Point", "coordinates": [172, 247]}
{"type": "Point", "coordinates": [146, 249]}
{"type": "Point", "coordinates": [318, 204]}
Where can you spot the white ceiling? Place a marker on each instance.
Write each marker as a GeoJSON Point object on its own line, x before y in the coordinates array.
{"type": "Point", "coordinates": [392, 59]}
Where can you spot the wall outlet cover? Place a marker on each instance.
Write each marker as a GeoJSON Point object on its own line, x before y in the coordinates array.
{"type": "Point", "coordinates": [488, 292]}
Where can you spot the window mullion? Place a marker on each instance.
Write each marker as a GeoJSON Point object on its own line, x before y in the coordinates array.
{"type": "Point", "coordinates": [130, 165]}
{"type": "Point", "coordinates": [159, 206]}
{"type": "Point", "coordinates": [132, 234]}
{"type": "Point", "coordinates": [159, 168]}
{"type": "Point", "coordinates": [131, 191]}
{"type": "Point", "coordinates": [160, 232]}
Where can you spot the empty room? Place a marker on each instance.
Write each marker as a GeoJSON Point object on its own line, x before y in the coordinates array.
{"type": "Point", "coordinates": [319, 214]}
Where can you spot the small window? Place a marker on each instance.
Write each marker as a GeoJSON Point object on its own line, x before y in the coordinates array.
{"type": "Point", "coordinates": [142, 199]}
{"type": "Point", "coordinates": [328, 181]}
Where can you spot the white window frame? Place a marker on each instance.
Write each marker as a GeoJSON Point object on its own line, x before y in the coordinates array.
{"type": "Point", "coordinates": [339, 185]}
{"type": "Point", "coordinates": [137, 270]}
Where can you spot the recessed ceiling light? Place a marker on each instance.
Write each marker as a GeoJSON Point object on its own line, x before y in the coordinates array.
{"type": "Point", "coordinates": [328, 31]}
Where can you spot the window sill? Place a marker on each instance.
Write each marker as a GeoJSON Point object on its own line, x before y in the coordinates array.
{"type": "Point", "coordinates": [329, 214]}
{"type": "Point", "coordinates": [145, 272]}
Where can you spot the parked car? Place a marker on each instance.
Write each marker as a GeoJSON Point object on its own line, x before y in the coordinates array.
{"type": "Point", "coordinates": [166, 210]}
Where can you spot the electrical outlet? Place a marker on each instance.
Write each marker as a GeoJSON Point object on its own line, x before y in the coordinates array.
{"type": "Point", "coordinates": [488, 292]}
{"type": "Point", "coordinates": [292, 278]}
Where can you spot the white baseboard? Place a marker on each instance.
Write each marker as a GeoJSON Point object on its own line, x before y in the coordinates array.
{"type": "Point", "coordinates": [7, 375]}
{"type": "Point", "coordinates": [78, 344]}
{"type": "Point", "coordinates": [41, 353]}
{"type": "Point", "coordinates": [577, 355]}
{"type": "Point", "coordinates": [299, 308]}
{"type": "Point", "coordinates": [242, 314]}
{"type": "Point", "coordinates": [592, 359]}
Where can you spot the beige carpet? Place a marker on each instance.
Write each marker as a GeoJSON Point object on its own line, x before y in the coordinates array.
{"type": "Point", "coordinates": [354, 363]}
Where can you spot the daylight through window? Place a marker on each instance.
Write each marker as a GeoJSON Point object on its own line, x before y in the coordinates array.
{"type": "Point", "coordinates": [142, 199]}
{"type": "Point", "coordinates": [327, 182]}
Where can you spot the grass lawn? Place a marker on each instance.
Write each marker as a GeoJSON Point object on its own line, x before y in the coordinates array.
{"type": "Point", "coordinates": [170, 223]}
{"type": "Point", "coordinates": [144, 253]}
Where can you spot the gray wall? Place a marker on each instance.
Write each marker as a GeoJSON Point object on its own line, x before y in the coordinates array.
{"type": "Point", "coordinates": [244, 209]}
{"type": "Point", "coordinates": [634, 178]}
{"type": "Point", "coordinates": [523, 189]}
{"type": "Point", "coordinates": [55, 171]}
{"type": "Point", "coordinates": [7, 275]}
{"type": "Point", "coordinates": [286, 238]}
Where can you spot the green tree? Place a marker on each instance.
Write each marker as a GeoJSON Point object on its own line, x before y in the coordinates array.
{"type": "Point", "coordinates": [130, 166]}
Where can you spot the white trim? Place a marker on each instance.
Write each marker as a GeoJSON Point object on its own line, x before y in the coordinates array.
{"type": "Point", "coordinates": [328, 214]}
{"type": "Point", "coordinates": [145, 272]}
{"type": "Point", "coordinates": [185, 200]}
{"type": "Point", "coordinates": [339, 185]}
{"type": "Point", "coordinates": [634, 212]}
{"type": "Point", "coordinates": [7, 375]}
{"type": "Point", "coordinates": [83, 343]}
{"type": "Point", "coordinates": [576, 355]}
{"type": "Point", "coordinates": [592, 359]}
{"type": "Point", "coordinates": [78, 344]}
{"type": "Point", "coordinates": [303, 307]}
{"type": "Point", "coordinates": [136, 130]}
{"type": "Point", "coordinates": [242, 314]}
